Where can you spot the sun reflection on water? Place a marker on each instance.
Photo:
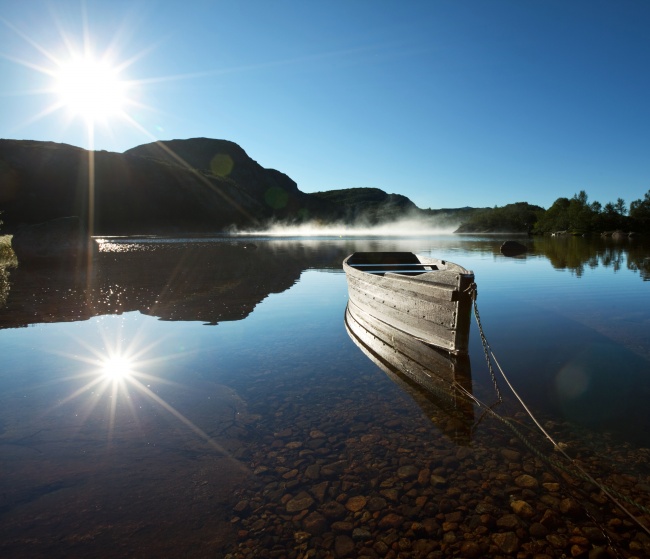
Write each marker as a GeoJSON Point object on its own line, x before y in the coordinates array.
{"type": "Point", "coordinates": [122, 376]}
{"type": "Point", "coordinates": [117, 368]}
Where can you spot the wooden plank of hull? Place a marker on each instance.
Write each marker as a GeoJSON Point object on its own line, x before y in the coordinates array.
{"type": "Point", "coordinates": [418, 327]}
{"type": "Point", "coordinates": [411, 290]}
{"type": "Point", "coordinates": [433, 309]}
{"type": "Point", "coordinates": [437, 382]}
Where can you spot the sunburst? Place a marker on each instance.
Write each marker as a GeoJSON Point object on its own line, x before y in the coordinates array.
{"type": "Point", "coordinates": [113, 372]}
{"type": "Point", "coordinates": [84, 82]}
{"type": "Point", "coordinates": [91, 88]}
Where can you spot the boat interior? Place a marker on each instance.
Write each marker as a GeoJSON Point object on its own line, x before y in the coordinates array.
{"type": "Point", "coordinates": [379, 263]}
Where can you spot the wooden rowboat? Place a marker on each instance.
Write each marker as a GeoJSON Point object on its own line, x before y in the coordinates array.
{"type": "Point", "coordinates": [438, 382]}
{"type": "Point", "coordinates": [426, 298]}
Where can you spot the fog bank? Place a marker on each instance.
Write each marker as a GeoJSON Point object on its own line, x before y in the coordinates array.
{"type": "Point", "coordinates": [407, 227]}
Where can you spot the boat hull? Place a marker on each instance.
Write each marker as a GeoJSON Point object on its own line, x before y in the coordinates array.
{"type": "Point", "coordinates": [426, 298]}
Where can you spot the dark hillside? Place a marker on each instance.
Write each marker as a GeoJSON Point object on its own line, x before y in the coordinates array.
{"type": "Point", "coordinates": [227, 160]}
{"type": "Point", "coordinates": [40, 181]}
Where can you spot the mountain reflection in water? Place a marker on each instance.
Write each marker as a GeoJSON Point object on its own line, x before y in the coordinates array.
{"type": "Point", "coordinates": [209, 282]}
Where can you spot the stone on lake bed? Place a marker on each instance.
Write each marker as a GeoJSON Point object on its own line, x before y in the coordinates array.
{"type": "Point", "coordinates": [570, 506]}
{"type": "Point", "coordinates": [449, 526]}
{"type": "Point", "coordinates": [290, 474]}
{"type": "Point", "coordinates": [241, 507]}
{"type": "Point", "coordinates": [319, 490]}
{"type": "Point", "coordinates": [312, 471]}
{"type": "Point", "coordinates": [376, 504]}
{"type": "Point", "coordinates": [333, 509]}
{"type": "Point", "coordinates": [470, 549]}
{"type": "Point", "coordinates": [361, 534]}
{"type": "Point", "coordinates": [510, 521]}
{"type": "Point", "coordinates": [390, 494]}
{"type": "Point", "coordinates": [557, 541]}
{"type": "Point", "coordinates": [342, 526]}
{"type": "Point", "coordinates": [437, 480]}
{"type": "Point", "coordinates": [315, 523]}
{"type": "Point", "coordinates": [356, 503]}
{"type": "Point", "coordinates": [507, 541]}
{"type": "Point", "coordinates": [522, 508]}
{"type": "Point", "coordinates": [300, 502]}
{"type": "Point", "coordinates": [408, 472]}
{"type": "Point", "coordinates": [300, 537]}
{"type": "Point", "coordinates": [391, 520]}
{"type": "Point", "coordinates": [334, 468]}
{"type": "Point", "coordinates": [511, 455]}
{"type": "Point", "coordinates": [526, 481]}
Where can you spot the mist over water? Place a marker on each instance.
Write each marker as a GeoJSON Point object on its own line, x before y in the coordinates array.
{"type": "Point", "coordinates": [406, 227]}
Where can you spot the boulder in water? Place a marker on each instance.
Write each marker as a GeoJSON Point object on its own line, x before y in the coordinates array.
{"type": "Point", "coordinates": [512, 248]}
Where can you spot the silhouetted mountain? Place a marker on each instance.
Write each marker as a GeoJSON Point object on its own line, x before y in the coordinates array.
{"type": "Point", "coordinates": [123, 194]}
{"type": "Point", "coordinates": [198, 185]}
{"type": "Point", "coordinates": [154, 192]}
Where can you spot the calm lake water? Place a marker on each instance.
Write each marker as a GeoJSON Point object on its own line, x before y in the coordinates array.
{"type": "Point", "coordinates": [202, 398]}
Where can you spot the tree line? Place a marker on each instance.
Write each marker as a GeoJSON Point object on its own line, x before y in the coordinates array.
{"type": "Point", "coordinates": [572, 216]}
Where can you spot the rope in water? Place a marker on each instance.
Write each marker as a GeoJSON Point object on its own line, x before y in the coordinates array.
{"type": "Point", "coordinates": [579, 472]}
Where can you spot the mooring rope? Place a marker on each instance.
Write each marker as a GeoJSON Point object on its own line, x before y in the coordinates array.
{"type": "Point", "coordinates": [580, 473]}
{"type": "Point", "coordinates": [473, 293]}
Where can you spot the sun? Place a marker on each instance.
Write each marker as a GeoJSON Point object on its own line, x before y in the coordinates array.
{"type": "Point", "coordinates": [91, 89]}
{"type": "Point", "coordinates": [89, 76]}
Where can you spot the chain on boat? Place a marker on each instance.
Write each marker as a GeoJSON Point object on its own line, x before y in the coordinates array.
{"type": "Point", "coordinates": [615, 496]}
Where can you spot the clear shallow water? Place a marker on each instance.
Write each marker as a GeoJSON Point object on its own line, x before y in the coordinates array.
{"type": "Point", "coordinates": [248, 417]}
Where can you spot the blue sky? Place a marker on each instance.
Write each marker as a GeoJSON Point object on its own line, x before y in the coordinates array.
{"type": "Point", "coordinates": [451, 103]}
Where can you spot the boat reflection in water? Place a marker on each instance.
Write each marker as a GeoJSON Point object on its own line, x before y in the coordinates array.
{"type": "Point", "coordinates": [440, 383]}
